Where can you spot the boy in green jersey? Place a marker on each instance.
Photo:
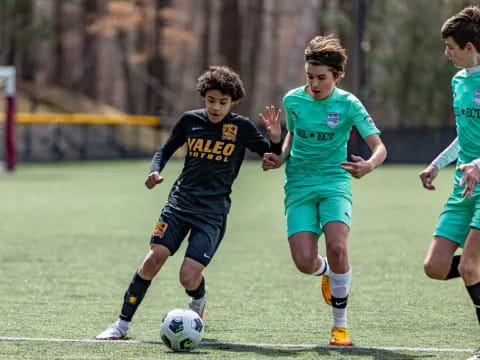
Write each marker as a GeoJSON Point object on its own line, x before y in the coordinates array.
{"type": "Point", "coordinates": [318, 197]}
{"type": "Point", "coordinates": [459, 222]}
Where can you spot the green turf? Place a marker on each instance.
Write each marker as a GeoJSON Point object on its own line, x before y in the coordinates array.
{"type": "Point", "coordinates": [72, 235]}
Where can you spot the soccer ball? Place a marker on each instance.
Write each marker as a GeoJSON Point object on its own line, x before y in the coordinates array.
{"type": "Point", "coordinates": [181, 330]}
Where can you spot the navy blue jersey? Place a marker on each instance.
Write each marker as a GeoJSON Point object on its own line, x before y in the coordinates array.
{"type": "Point", "coordinates": [215, 153]}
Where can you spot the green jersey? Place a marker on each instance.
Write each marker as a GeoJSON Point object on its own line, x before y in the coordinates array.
{"type": "Point", "coordinates": [466, 105]}
{"type": "Point", "coordinates": [321, 130]}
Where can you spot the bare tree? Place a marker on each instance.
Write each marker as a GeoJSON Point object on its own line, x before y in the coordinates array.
{"type": "Point", "coordinates": [230, 33]}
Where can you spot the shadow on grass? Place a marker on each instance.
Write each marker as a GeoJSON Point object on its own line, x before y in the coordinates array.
{"type": "Point", "coordinates": [325, 350]}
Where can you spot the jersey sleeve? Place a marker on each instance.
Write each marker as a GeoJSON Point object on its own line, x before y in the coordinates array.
{"type": "Point", "coordinates": [288, 115]}
{"type": "Point", "coordinates": [176, 139]}
{"type": "Point", "coordinates": [362, 119]}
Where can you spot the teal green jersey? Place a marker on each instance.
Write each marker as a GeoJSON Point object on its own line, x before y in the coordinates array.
{"type": "Point", "coordinates": [321, 129]}
{"type": "Point", "coordinates": [466, 105]}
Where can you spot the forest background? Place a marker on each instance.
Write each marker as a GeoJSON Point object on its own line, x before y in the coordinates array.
{"type": "Point", "coordinates": [144, 56]}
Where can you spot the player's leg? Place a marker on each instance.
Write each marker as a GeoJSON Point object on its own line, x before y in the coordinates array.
{"type": "Point", "coordinates": [450, 233]}
{"type": "Point", "coordinates": [156, 257]}
{"type": "Point", "coordinates": [335, 214]}
{"type": "Point", "coordinates": [167, 237]}
{"type": "Point", "coordinates": [469, 267]}
{"type": "Point", "coordinates": [336, 235]}
{"type": "Point", "coordinates": [205, 237]}
{"type": "Point", "coordinates": [439, 263]}
{"type": "Point", "coordinates": [303, 231]}
{"type": "Point", "coordinates": [193, 281]}
{"type": "Point", "coordinates": [304, 251]}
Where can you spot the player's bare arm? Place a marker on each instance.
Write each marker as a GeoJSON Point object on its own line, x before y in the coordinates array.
{"type": "Point", "coordinates": [471, 175]}
{"type": "Point", "coordinates": [273, 161]}
{"type": "Point", "coordinates": [359, 167]}
{"type": "Point", "coordinates": [449, 154]}
{"type": "Point", "coordinates": [427, 176]}
{"type": "Point", "coordinates": [272, 123]}
{"type": "Point", "coordinates": [153, 179]}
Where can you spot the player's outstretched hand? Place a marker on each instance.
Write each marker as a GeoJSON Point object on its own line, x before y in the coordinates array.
{"type": "Point", "coordinates": [271, 161]}
{"type": "Point", "coordinates": [272, 123]}
{"type": "Point", "coordinates": [427, 176]}
{"type": "Point", "coordinates": [471, 174]}
{"type": "Point", "coordinates": [358, 167]}
{"type": "Point", "coordinates": [153, 179]}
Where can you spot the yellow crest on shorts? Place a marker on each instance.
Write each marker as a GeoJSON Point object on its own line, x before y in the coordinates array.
{"type": "Point", "coordinates": [160, 228]}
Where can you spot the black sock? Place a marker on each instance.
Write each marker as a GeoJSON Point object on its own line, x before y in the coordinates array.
{"type": "Point", "coordinates": [199, 292]}
{"type": "Point", "coordinates": [474, 291]}
{"type": "Point", "coordinates": [134, 296]}
{"type": "Point", "coordinates": [453, 273]}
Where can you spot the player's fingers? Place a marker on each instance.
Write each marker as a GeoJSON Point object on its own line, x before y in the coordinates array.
{"type": "Point", "coordinates": [428, 185]}
{"type": "Point", "coordinates": [269, 114]}
{"type": "Point", "coordinates": [267, 165]}
{"type": "Point", "coordinates": [278, 115]}
{"type": "Point", "coordinates": [356, 158]}
{"type": "Point", "coordinates": [268, 156]}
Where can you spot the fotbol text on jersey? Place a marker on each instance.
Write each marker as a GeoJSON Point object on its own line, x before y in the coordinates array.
{"type": "Point", "coordinates": [210, 149]}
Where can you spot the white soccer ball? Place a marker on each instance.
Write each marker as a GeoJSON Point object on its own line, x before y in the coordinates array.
{"type": "Point", "coordinates": [181, 330]}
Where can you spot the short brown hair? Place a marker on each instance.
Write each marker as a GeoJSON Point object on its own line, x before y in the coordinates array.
{"type": "Point", "coordinates": [464, 27]}
{"type": "Point", "coordinates": [223, 79]}
{"type": "Point", "coordinates": [326, 50]}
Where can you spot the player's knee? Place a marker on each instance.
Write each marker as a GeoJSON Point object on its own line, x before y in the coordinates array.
{"type": "Point", "coordinates": [305, 263]}
{"type": "Point", "coordinates": [152, 263]}
{"type": "Point", "coordinates": [189, 280]}
{"type": "Point", "coordinates": [337, 250]}
{"type": "Point", "coordinates": [434, 271]}
{"type": "Point", "coordinates": [468, 270]}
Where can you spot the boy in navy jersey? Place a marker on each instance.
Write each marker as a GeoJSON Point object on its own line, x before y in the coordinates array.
{"type": "Point", "coordinates": [199, 200]}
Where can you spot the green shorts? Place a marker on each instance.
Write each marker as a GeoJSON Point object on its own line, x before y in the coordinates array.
{"type": "Point", "coordinates": [313, 211]}
{"type": "Point", "coordinates": [457, 218]}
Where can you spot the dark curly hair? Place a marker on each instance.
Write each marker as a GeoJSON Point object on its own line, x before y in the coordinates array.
{"type": "Point", "coordinates": [223, 79]}
{"type": "Point", "coordinates": [464, 27]}
{"type": "Point", "coordinates": [326, 50]}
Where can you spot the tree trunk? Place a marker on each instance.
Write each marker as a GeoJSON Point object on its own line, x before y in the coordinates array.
{"type": "Point", "coordinates": [230, 33]}
{"type": "Point", "coordinates": [91, 11]}
{"type": "Point", "coordinates": [156, 63]}
{"type": "Point", "coordinates": [207, 9]}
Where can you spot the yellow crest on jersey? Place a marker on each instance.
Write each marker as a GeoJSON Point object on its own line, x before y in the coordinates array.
{"type": "Point", "coordinates": [229, 132]}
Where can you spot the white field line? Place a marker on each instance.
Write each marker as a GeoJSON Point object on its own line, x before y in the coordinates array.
{"type": "Point", "coordinates": [235, 344]}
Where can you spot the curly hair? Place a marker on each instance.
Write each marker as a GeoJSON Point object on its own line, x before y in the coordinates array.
{"type": "Point", "coordinates": [223, 79]}
{"type": "Point", "coordinates": [326, 50]}
{"type": "Point", "coordinates": [464, 27]}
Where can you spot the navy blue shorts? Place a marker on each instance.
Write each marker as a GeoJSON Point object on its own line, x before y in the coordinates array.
{"type": "Point", "coordinates": [206, 233]}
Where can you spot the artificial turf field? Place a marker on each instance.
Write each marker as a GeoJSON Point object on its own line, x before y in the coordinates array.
{"type": "Point", "coordinates": [72, 235]}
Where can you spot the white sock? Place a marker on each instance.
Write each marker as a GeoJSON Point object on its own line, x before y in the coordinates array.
{"type": "Point", "coordinates": [339, 285]}
{"type": "Point", "coordinates": [324, 269]}
{"type": "Point", "coordinates": [122, 324]}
